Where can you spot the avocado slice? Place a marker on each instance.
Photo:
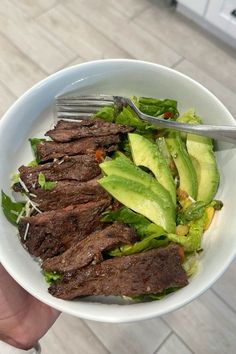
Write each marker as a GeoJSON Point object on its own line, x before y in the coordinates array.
{"type": "Point", "coordinates": [123, 167]}
{"type": "Point", "coordinates": [140, 198]}
{"type": "Point", "coordinates": [145, 153]}
{"type": "Point", "coordinates": [201, 152]}
{"type": "Point", "coordinates": [184, 165]}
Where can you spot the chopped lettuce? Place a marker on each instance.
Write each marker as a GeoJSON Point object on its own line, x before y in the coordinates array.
{"type": "Point", "coordinates": [191, 242]}
{"type": "Point", "coordinates": [34, 142]}
{"type": "Point", "coordinates": [51, 277]}
{"type": "Point", "coordinates": [129, 117]}
{"type": "Point", "coordinates": [106, 113]}
{"type": "Point", "coordinates": [126, 115]}
{"type": "Point", "coordinates": [147, 243]}
{"type": "Point", "coordinates": [12, 210]}
{"type": "Point", "coordinates": [158, 296]}
{"type": "Point", "coordinates": [32, 163]}
{"type": "Point", "coordinates": [193, 212]}
{"type": "Point", "coordinates": [142, 225]}
{"type": "Point", "coordinates": [190, 264]}
{"type": "Point", "coordinates": [46, 185]}
{"type": "Point", "coordinates": [15, 178]}
{"type": "Point", "coordinates": [190, 117]}
{"type": "Point", "coordinates": [156, 107]}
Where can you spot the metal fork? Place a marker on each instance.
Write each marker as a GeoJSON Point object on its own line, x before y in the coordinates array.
{"type": "Point", "coordinates": [83, 107]}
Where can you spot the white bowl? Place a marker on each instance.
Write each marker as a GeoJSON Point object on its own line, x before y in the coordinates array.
{"type": "Point", "coordinates": [32, 114]}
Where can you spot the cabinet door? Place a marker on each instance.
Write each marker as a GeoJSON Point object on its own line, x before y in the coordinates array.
{"type": "Point", "coordinates": [197, 6]}
{"type": "Point", "coordinates": [221, 14]}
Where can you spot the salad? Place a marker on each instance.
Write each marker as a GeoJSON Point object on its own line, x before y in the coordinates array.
{"type": "Point", "coordinates": [112, 205]}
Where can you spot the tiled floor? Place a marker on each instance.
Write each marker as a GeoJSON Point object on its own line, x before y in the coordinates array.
{"type": "Point", "coordinates": [43, 36]}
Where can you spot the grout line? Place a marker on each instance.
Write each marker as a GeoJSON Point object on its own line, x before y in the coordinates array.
{"type": "Point", "coordinates": [99, 340]}
{"type": "Point", "coordinates": [163, 342]}
{"type": "Point", "coordinates": [223, 300]}
{"type": "Point", "coordinates": [154, 34]}
{"type": "Point", "coordinates": [49, 39]}
{"type": "Point", "coordinates": [184, 343]}
{"type": "Point", "coordinates": [93, 27]}
{"type": "Point", "coordinates": [46, 10]}
{"type": "Point", "coordinates": [8, 89]}
{"type": "Point", "coordinates": [139, 12]}
{"type": "Point", "coordinates": [101, 33]}
{"type": "Point", "coordinates": [178, 62]}
{"type": "Point", "coordinates": [23, 53]}
{"type": "Point", "coordinates": [177, 335]}
{"type": "Point", "coordinates": [66, 65]}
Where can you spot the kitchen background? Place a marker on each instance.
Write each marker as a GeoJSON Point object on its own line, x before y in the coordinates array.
{"type": "Point", "coordinates": [39, 37]}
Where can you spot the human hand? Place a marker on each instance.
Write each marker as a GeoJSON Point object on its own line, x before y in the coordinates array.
{"type": "Point", "coordinates": [23, 318]}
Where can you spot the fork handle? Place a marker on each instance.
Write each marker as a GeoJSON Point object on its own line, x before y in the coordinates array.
{"type": "Point", "coordinates": [219, 132]}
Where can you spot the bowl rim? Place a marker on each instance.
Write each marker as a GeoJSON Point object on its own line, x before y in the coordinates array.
{"type": "Point", "coordinates": [118, 314]}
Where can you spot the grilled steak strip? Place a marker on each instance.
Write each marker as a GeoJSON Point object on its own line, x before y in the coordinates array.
{"type": "Point", "coordinates": [51, 233]}
{"type": "Point", "coordinates": [90, 249]}
{"type": "Point", "coordinates": [79, 168]}
{"type": "Point", "coordinates": [148, 272]}
{"type": "Point", "coordinates": [68, 131]}
{"type": "Point", "coordinates": [48, 150]}
{"type": "Point", "coordinates": [67, 193]}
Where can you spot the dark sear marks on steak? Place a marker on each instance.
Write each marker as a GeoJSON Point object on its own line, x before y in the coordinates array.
{"type": "Point", "coordinates": [89, 250]}
{"type": "Point", "coordinates": [68, 131]}
{"type": "Point", "coordinates": [69, 236]}
{"type": "Point", "coordinates": [148, 272]}
{"type": "Point", "coordinates": [67, 193]}
{"type": "Point", "coordinates": [49, 150]}
{"type": "Point", "coordinates": [79, 168]}
{"type": "Point", "coordinates": [52, 232]}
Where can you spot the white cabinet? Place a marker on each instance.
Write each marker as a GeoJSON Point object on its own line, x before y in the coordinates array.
{"type": "Point", "coordinates": [197, 6]}
{"type": "Point", "coordinates": [220, 14]}
{"type": "Point", "coordinates": [217, 16]}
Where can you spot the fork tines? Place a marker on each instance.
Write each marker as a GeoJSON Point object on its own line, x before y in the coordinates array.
{"type": "Point", "coordinates": [81, 107]}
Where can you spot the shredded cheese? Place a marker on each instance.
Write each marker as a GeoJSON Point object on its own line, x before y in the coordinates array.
{"type": "Point", "coordinates": [190, 198]}
{"type": "Point", "coordinates": [20, 215]}
{"type": "Point", "coordinates": [59, 163]}
{"type": "Point", "coordinates": [26, 231]}
{"type": "Point", "coordinates": [34, 205]}
{"type": "Point", "coordinates": [23, 185]}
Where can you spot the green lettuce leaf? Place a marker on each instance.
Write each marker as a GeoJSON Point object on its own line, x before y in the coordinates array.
{"type": "Point", "coordinates": [12, 210]}
{"type": "Point", "coordinates": [191, 242]}
{"type": "Point", "coordinates": [51, 277]}
{"type": "Point", "coordinates": [158, 296]}
{"type": "Point", "coordinates": [128, 117]}
{"type": "Point", "coordinates": [147, 243]}
{"type": "Point", "coordinates": [193, 212]}
{"type": "Point", "coordinates": [106, 113]}
{"type": "Point", "coordinates": [190, 264]}
{"type": "Point", "coordinates": [15, 178]}
{"type": "Point", "coordinates": [32, 163]}
{"type": "Point", "coordinates": [34, 142]}
{"type": "Point", "coordinates": [46, 185]}
{"type": "Point", "coordinates": [142, 225]}
{"type": "Point", "coordinates": [190, 117]}
{"type": "Point", "coordinates": [156, 107]}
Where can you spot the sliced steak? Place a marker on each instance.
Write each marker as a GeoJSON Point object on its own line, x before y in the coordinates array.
{"type": "Point", "coordinates": [90, 249]}
{"type": "Point", "coordinates": [67, 193]}
{"type": "Point", "coordinates": [48, 150]}
{"type": "Point", "coordinates": [51, 233]}
{"type": "Point", "coordinates": [148, 272]}
{"type": "Point", "coordinates": [68, 131]}
{"type": "Point", "coordinates": [79, 168]}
